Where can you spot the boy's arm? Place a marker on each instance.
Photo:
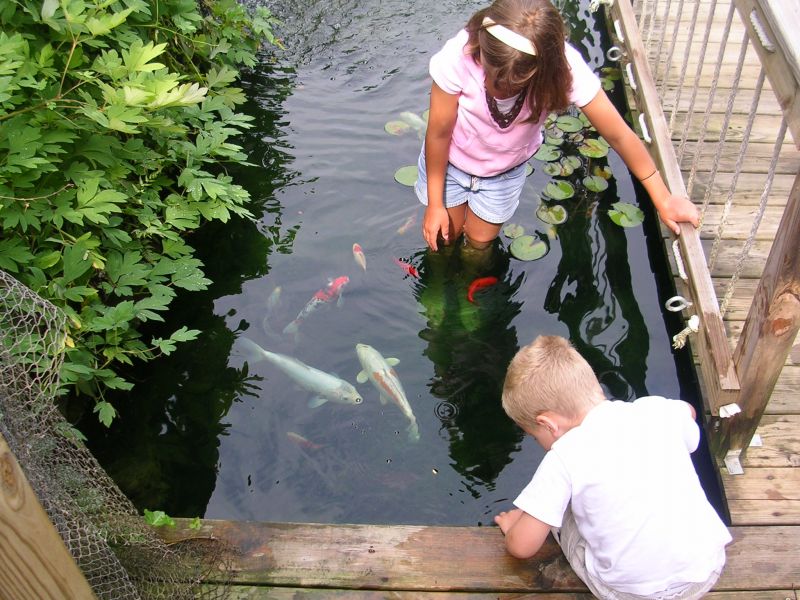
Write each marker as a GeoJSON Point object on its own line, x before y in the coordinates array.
{"type": "Point", "coordinates": [524, 533]}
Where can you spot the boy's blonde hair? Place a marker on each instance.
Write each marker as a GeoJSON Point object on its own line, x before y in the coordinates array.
{"type": "Point", "coordinates": [549, 374]}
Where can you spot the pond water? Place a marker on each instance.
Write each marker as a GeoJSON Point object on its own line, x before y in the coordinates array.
{"type": "Point", "coordinates": [205, 433]}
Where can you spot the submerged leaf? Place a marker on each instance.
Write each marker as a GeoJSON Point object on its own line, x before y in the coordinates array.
{"type": "Point", "coordinates": [406, 175]}
{"type": "Point", "coordinates": [512, 230]}
{"type": "Point", "coordinates": [559, 190]}
{"type": "Point", "coordinates": [396, 127]}
{"type": "Point", "coordinates": [552, 215]}
{"type": "Point", "coordinates": [625, 214]}
{"type": "Point", "coordinates": [527, 247]}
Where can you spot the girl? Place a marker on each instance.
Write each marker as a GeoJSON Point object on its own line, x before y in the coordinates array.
{"type": "Point", "coordinates": [493, 85]}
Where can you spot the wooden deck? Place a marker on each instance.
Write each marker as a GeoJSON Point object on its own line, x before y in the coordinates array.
{"type": "Point", "coordinates": [364, 562]}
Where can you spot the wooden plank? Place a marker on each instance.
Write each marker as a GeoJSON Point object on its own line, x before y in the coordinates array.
{"type": "Point", "coordinates": [749, 187]}
{"type": "Point", "coordinates": [241, 592]}
{"type": "Point", "coordinates": [764, 127]}
{"type": "Point", "coordinates": [719, 374]}
{"type": "Point", "coordinates": [739, 222]}
{"type": "Point", "coordinates": [770, 330]}
{"type": "Point", "coordinates": [764, 512]}
{"type": "Point", "coordinates": [781, 437]}
{"type": "Point", "coordinates": [764, 483]}
{"type": "Point", "coordinates": [758, 157]}
{"type": "Point", "coordinates": [455, 559]}
{"type": "Point", "coordinates": [36, 564]}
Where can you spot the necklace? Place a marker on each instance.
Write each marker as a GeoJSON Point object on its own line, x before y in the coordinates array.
{"type": "Point", "coordinates": [504, 119]}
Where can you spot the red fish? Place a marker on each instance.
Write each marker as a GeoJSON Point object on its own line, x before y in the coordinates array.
{"type": "Point", "coordinates": [479, 284]}
{"type": "Point", "coordinates": [333, 291]}
{"type": "Point", "coordinates": [407, 267]}
{"type": "Point", "coordinates": [302, 441]}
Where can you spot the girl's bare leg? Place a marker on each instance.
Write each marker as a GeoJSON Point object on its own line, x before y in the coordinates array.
{"type": "Point", "coordinates": [458, 215]}
{"type": "Point", "coordinates": [478, 238]}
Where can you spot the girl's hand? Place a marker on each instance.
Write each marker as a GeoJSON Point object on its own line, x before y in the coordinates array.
{"type": "Point", "coordinates": [436, 220]}
{"type": "Point", "coordinates": [678, 209]}
{"type": "Point", "coordinates": [507, 519]}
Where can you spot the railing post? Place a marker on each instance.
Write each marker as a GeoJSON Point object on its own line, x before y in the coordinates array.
{"type": "Point", "coordinates": [34, 562]}
{"type": "Point", "coordinates": [769, 332]}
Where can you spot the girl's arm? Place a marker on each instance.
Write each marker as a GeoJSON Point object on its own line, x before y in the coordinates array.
{"type": "Point", "coordinates": [524, 533]}
{"type": "Point", "coordinates": [441, 121]}
{"type": "Point", "coordinates": [610, 124]}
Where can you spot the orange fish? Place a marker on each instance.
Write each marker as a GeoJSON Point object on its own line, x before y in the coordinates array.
{"type": "Point", "coordinates": [301, 441]}
{"type": "Point", "coordinates": [479, 284]}
{"type": "Point", "coordinates": [407, 267]}
{"type": "Point", "coordinates": [409, 222]}
{"type": "Point", "coordinates": [358, 254]}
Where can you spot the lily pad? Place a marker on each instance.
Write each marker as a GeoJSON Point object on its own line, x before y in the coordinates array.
{"type": "Point", "coordinates": [594, 148]}
{"type": "Point", "coordinates": [595, 183]}
{"type": "Point", "coordinates": [396, 127]}
{"type": "Point", "coordinates": [553, 140]}
{"type": "Point", "coordinates": [577, 137]}
{"type": "Point", "coordinates": [550, 120]}
{"type": "Point", "coordinates": [559, 190]}
{"type": "Point", "coordinates": [572, 161]}
{"type": "Point", "coordinates": [512, 230]}
{"type": "Point", "coordinates": [425, 114]}
{"type": "Point", "coordinates": [547, 153]}
{"type": "Point", "coordinates": [528, 169]}
{"type": "Point", "coordinates": [569, 124]}
{"type": "Point", "coordinates": [528, 247]}
{"type": "Point", "coordinates": [553, 169]}
{"type": "Point", "coordinates": [626, 215]}
{"type": "Point", "coordinates": [406, 175]}
{"type": "Point", "coordinates": [603, 172]}
{"type": "Point", "coordinates": [552, 215]}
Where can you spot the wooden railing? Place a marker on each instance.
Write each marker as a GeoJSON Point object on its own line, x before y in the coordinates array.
{"type": "Point", "coordinates": [672, 71]}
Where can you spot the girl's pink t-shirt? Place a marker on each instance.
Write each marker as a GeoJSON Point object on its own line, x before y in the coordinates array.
{"type": "Point", "coordinates": [479, 146]}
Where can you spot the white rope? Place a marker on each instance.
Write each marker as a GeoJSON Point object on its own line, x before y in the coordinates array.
{"type": "Point", "coordinates": [672, 48]}
{"type": "Point", "coordinates": [762, 206]}
{"type": "Point", "coordinates": [676, 252]}
{"type": "Point", "coordinates": [679, 339]}
{"type": "Point", "coordinates": [686, 52]}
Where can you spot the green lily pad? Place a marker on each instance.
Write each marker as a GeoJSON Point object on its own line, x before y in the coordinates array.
{"type": "Point", "coordinates": [585, 120]}
{"type": "Point", "coordinates": [551, 140]}
{"type": "Point", "coordinates": [528, 247]}
{"type": "Point", "coordinates": [572, 161]}
{"type": "Point", "coordinates": [552, 215]}
{"type": "Point", "coordinates": [626, 215]}
{"type": "Point", "coordinates": [512, 230]}
{"type": "Point", "coordinates": [425, 114]}
{"type": "Point", "coordinates": [406, 175]}
{"type": "Point", "coordinates": [553, 169]}
{"type": "Point", "coordinates": [569, 124]}
{"type": "Point", "coordinates": [528, 169]}
{"type": "Point", "coordinates": [559, 190]}
{"type": "Point", "coordinates": [608, 84]}
{"type": "Point", "coordinates": [577, 137]}
{"type": "Point", "coordinates": [594, 183]}
{"type": "Point", "coordinates": [550, 120]}
{"type": "Point", "coordinates": [594, 148]}
{"type": "Point", "coordinates": [396, 127]}
{"type": "Point", "coordinates": [547, 153]}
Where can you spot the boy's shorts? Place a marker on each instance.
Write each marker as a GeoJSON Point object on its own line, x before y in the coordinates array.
{"type": "Point", "coordinates": [574, 547]}
{"type": "Point", "coordinates": [493, 199]}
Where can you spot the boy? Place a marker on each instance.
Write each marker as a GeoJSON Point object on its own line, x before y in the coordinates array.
{"type": "Point", "coordinates": [617, 485]}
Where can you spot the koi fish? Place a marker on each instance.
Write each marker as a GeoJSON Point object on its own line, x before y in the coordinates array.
{"type": "Point", "coordinates": [405, 226]}
{"type": "Point", "coordinates": [407, 267]}
{"type": "Point", "coordinates": [331, 292]}
{"type": "Point", "coordinates": [273, 300]}
{"type": "Point", "coordinates": [414, 120]}
{"type": "Point", "coordinates": [479, 284]}
{"type": "Point", "coordinates": [358, 254]}
{"type": "Point", "coordinates": [325, 386]}
{"type": "Point", "coordinates": [381, 373]}
{"type": "Point", "coordinates": [301, 441]}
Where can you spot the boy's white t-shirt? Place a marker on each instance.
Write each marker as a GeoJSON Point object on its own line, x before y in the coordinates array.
{"type": "Point", "coordinates": [635, 495]}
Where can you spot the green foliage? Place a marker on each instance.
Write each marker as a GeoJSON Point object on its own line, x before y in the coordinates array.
{"type": "Point", "coordinates": [116, 119]}
{"type": "Point", "coordinates": [158, 518]}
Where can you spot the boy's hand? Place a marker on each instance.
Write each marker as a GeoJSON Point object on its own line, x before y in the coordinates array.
{"type": "Point", "coordinates": [507, 519]}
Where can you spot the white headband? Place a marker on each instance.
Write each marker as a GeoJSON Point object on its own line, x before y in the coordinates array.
{"type": "Point", "coordinates": [508, 37]}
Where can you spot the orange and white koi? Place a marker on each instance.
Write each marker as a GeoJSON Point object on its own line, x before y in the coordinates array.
{"type": "Point", "coordinates": [358, 255]}
{"type": "Point", "coordinates": [407, 267]}
{"type": "Point", "coordinates": [479, 284]}
{"type": "Point", "coordinates": [407, 225]}
{"type": "Point", "coordinates": [381, 373]}
{"type": "Point", "coordinates": [331, 292]}
{"type": "Point", "coordinates": [301, 441]}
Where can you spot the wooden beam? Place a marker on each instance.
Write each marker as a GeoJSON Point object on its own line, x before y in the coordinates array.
{"type": "Point", "coordinates": [779, 22]}
{"type": "Point", "coordinates": [473, 560]}
{"type": "Point", "coordinates": [722, 384]}
{"type": "Point", "coordinates": [769, 332]}
{"type": "Point", "coordinates": [36, 564]}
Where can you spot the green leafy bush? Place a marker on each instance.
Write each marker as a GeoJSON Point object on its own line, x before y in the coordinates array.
{"type": "Point", "coordinates": [116, 120]}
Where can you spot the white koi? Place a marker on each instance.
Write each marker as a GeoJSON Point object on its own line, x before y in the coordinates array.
{"type": "Point", "coordinates": [324, 385]}
{"type": "Point", "coordinates": [380, 372]}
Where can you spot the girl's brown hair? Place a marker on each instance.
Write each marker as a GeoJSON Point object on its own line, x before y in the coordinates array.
{"type": "Point", "coordinates": [546, 76]}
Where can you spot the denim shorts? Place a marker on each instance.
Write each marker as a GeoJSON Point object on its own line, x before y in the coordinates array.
{"type": "Point", "coordinates": [493, 199]}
